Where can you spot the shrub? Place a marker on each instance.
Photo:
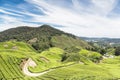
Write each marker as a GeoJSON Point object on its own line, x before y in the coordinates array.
{"type": "Point", "coordinates": [117, 51]}
{"type": "Point", "coordinates": [69, 57]}
{"type": "Point", "coordinates": [71, 54]}
{"type": "Point", "coordinates": [95, 57]}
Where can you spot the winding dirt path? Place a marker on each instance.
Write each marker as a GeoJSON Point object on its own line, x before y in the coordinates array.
{"type": "Point", "coordinates": [31, 63]}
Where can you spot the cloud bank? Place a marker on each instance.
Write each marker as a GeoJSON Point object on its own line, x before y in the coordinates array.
{"type": "Point", "coordinates": [91, 18]}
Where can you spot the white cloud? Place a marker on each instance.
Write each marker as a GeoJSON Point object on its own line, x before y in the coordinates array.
{"type": "Point", "coordinates": [104, 6]}
{"type": "Point", "coordinates": [81, 24]}
{"type": "Point", "coordinates": [6, 12]}
{"type": "Point", "coordinates": [92, 22]}
{"type": "Point", "coordinates": [9, 25]}
{"type": "Point", "coordinates": [12, 22]}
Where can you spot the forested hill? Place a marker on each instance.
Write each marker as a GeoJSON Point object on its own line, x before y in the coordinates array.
{"type": "Point", "coordinates": [42, 37]}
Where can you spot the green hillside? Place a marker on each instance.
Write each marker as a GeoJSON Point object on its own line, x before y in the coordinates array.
{"type": "Point", "coordinates": [45, 53]}
{"type": "Point", "coordinates": [13, 56]}
{"type": "Point", "coordinates": [43, 37]}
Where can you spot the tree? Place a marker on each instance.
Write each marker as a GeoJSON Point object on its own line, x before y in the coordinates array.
{"type": "Point", "coordinates": [71, 54]}
{"type": "Point", "coordinates": [117, 51]}
{"type": "Point", "coordinates": [103, 51]}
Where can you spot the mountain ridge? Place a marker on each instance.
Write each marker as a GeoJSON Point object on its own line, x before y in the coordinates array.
{"type": "Point", "coordinates": [42, 37]}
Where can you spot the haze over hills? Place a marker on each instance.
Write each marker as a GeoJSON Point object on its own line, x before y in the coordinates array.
{"type": "Point", "coordinates": [43, 37]}
{"type": "Point", "coordinates": [115, 40]}
{"type": "Point", "coordinates": [103, 41]}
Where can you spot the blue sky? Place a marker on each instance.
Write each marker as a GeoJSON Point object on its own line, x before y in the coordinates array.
{"type": "Point", "coordinates": [90, 18]}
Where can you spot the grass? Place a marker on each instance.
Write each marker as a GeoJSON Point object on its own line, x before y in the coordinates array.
{"type": "Point", "coordinates": [64, 41]}
{"type": "Point", "coordinates": [12, 53]}
{"type": "Point", "coordinates": [80, 72]}
{"type": "Point", "coordinates": [11, 58]}
{"type": "Point", "coordinates": [10, 67]}
{"type": "Point", "coordinates": [113, 66]}
{"type": "Point", "coordinates": [48, 59]}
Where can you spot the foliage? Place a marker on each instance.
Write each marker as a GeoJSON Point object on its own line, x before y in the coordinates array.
{"type": "Point", "coordinates": [11, 58]}
{"type": "Point", "coordinates": [42, 38]}
{"type": "Point", "coordinates": [77, 54]}
{"type": "Point", "coordinates": [117, 51]}
{"type": "Point", "coordinates": [97, 48]}
{"type": "Point", "coordinates": [93, 56]}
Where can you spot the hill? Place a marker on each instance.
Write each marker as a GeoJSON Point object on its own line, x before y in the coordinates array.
{"type": "Point", "coordinates": [61, 56]}
{"type": "Point", "coordinates": [103, 41]}
{"type": "Point", "coordinates": [42, 37]}
{"type": "Point", "coordinates": [14, 55]}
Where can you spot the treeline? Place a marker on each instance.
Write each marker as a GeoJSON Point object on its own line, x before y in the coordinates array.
{"type": "Point", "coordinates": [105, 50]}
{"type": "Point", "coordinates": [40, 38]}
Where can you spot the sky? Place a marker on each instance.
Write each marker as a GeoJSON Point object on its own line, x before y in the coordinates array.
{"type": "Point", "coordinates": [85, 18]}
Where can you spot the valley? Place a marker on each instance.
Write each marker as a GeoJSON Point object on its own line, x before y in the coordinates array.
{"type": "Point", "coordinates": [62, 56]}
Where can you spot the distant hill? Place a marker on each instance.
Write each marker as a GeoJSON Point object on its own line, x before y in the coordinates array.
{"type": "Point", "coordinates": [103, 41]}
{"type": "Point", "coordinates": [110, 40]}
{"type": "Point", "coordinates": [42, 37]}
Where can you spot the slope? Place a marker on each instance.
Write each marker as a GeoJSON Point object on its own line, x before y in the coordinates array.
{"type": "Point", "coordinates": [42, 37]}
{"type": "Point", "coordinates": [13, 56]}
